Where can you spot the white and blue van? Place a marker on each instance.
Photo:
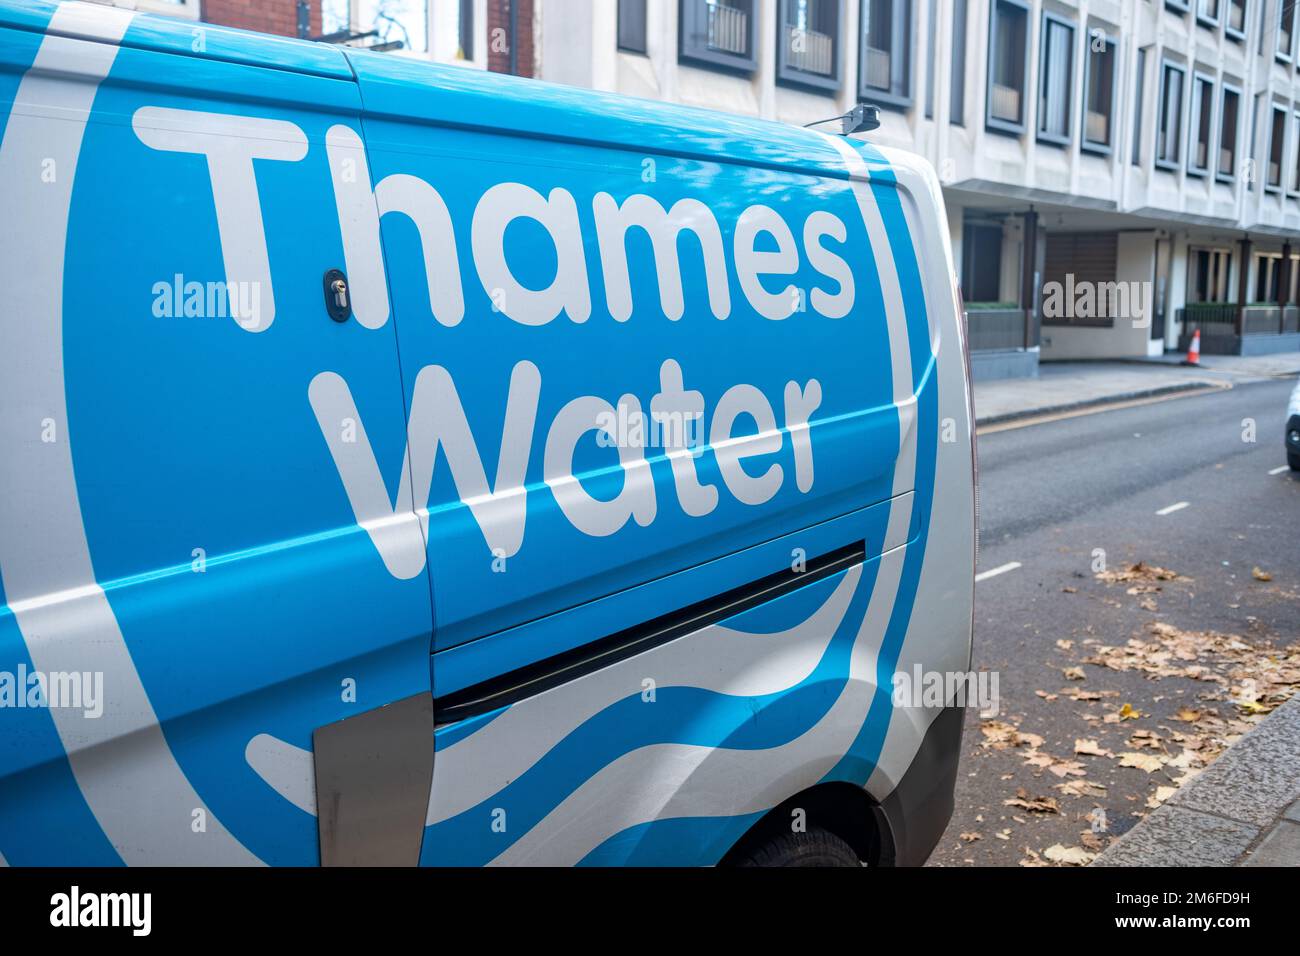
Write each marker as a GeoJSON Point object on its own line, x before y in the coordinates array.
{"type": "Point", "coordinates": [406, 464]}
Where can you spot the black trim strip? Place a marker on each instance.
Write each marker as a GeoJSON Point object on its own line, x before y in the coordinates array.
{"type": "Point", "coordinates": [527, 681]}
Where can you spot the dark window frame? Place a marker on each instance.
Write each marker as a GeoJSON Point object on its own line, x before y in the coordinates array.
{"type": "Point", "coordinates": [1230, 176]}
{"type": "Point", "coordinates": [1293, 189]}
{"type": "Point", "coordinates": [1178, 6]}
{"type": "Point", "coordinates": [1112, 44]}
{"type": "Point", "coordinates": [901, 84]}
{"type": "Point", "coordinates": [1231, 32]}
{"type": "Point", "coordinates": [1167, 67]}
{"type": "Point", "coordinates": [957, 64]}
{"type": "Point", "coordinates": [1276, 109]}
{"type": "Point", "coordinates": [991, 122]}
{"type": "Point", "coordinates": [1278, 55]}
{"type": "Point", "coordinates": [1139, 95]}
{"type": "Point", "coordinates": [692, 43]}
{"type": "Point", "coordinates": [626, 44]}
{"type": "Point", "coordinates": [788, 75]}
{"type": "Point", "coordinates": [1043, 136]}
{"type": "Point", "coordinates": [1200, 80]}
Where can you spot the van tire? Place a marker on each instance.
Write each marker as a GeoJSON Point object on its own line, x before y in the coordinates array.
{"type": "Point", "coordinates": [1293, 460]}
{"type": "Point", "coordinates": [816, 847]}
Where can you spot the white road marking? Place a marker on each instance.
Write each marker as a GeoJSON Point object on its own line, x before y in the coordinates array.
{"type": "Point", "coordinates": [1172, 508]}
{"type": "Point", "coordinates": [1280, 469]}
{"type": "Point", "coordinates": [993, 572]}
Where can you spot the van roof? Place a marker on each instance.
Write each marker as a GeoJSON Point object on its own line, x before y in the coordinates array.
{"type": "Point", "coordinates": [416, 89]}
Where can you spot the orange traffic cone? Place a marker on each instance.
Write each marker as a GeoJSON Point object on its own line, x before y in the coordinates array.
{"type": "Point", "coordinates": [1194, 350]}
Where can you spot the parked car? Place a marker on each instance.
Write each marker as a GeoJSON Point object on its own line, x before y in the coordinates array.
{"type": "Point", "coordinates": [1293, 429]}
{"type": "Point", "coordinates": [403, 463]}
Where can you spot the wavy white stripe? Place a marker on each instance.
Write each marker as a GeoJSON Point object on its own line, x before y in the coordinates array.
{"type": "Point", "coordinates": [715, 658]}
{"type": "Point", "coordinates": [663, 781]}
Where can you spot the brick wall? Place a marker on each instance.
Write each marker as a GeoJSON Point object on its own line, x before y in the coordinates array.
{"type": "Point", "coordinates": [264, 16]}
{"type": "Point", "coordinates": [498, 34]}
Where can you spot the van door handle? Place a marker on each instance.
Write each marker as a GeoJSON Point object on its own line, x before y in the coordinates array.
{"type": "Point", "coordinates": [337, 301]}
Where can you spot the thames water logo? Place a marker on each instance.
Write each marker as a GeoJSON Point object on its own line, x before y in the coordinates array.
{"type": "Point", "coordinates": [129, 910]}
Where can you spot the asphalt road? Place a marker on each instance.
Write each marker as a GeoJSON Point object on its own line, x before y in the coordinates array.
{"type": "Point", "coordinates": [1053, 493]}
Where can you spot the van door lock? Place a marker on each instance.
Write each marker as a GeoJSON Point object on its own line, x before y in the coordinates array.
{"type": "Point", "coordinates": [337, 302]}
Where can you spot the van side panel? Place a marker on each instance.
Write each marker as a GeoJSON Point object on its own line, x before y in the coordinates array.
{"type": "Point", "coordinates": [173, 527]}
{"type": "Point", "coordinates": [670, 756]}
{"type": "Point", "coordinates": [532, 304]}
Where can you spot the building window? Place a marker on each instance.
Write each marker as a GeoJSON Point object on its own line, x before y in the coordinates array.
{"type": "Point", "coordinates": [1285, 29]}
{"type": "Point", "coordinates": [1201, 123]}
{"type": "Point", "coordinates": [1008, 66]}
{"type": "Point", "coordinates": [932, 15]}
{"type": "Point", "coordinates": [718, 33]}
{"type": "Point", "coordinates": [885, 71]}
{"type": "Point", "coordinates": [1267, 272]}
{"type": "Point", "coordinates": [981, 262]}
{"type": "Point", "coordinates": [1235, 27]}
{"type": "Point", "coordinates": [631, 26]}
{"type": "Point", "coordinates": [1207, 12]}
{"type": "Point", "coordinates": [1276, 150]}
{"type": "Point", "coordinates": [957, 81]}
{"type": "Point", "coordinates": [808, 42]}
{"type": "Point", "coordinates": [1295, 161]}
{"type": "Point", "coordinates": [1099, 95]}
{"type": "Point", "coordinates": [1181, 6]}
{"type": "Point", "coordinates": [1139, 96]}
{"type": "Point", "coordinates": [1055, 80]}
{"type": "Point", "coordinates": [1208, 275]}
{"type": "Point", "coordinates": [1169, 127]}
{"type": "Point", "coordinates": [465, 29]}
{"type": "Point", "coordinates": [1229, 120]}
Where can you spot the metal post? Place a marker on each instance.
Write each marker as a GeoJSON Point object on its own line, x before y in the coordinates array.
{"type": "Point", "coordinates": [1243, 286]}
{"type": "Point", "coordinates": [514, 37]}
{"type": "Point", "coordinates": [1283, 286]}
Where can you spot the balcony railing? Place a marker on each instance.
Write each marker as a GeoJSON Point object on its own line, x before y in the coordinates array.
{"type": "Point", "coordinates": [728, 29]}
{"type": "Point", "coordinates": [810, 51]}
{"type": "Point", "coordinates": [1221, 319]}
{"type": "Point", "coordinates": [1004, 103]}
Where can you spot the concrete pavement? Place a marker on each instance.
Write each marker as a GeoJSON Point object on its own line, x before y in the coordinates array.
{"type": "Point", "coordinates": [1244, 810]}
{"type": "Point", "coordinates": [1062, 386]}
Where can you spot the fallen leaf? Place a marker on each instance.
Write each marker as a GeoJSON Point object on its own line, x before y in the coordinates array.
{"type": "Point", "coordinates": [1074, 673]}
{"type": "Point", "coordinates": [1069, 855]}
{"type": "Point", "coordinates": [1259, 575]}
{"type": "Point", "coordinates": [1129, 712]}
{"type": "Point", "coordinates": [1033, 804]}
{"type": "Point", "coordinates": [1148, 762]}
{"type": "Point", "coordinates": [971, 837]}
{"type": "Point", "coordinates": [1091, 747]}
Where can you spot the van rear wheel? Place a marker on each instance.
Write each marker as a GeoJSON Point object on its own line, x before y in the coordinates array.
{"type": "Point", "coordinates": [816, 847]}
{"type": "Point", "coordinates": [1293, 460]}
